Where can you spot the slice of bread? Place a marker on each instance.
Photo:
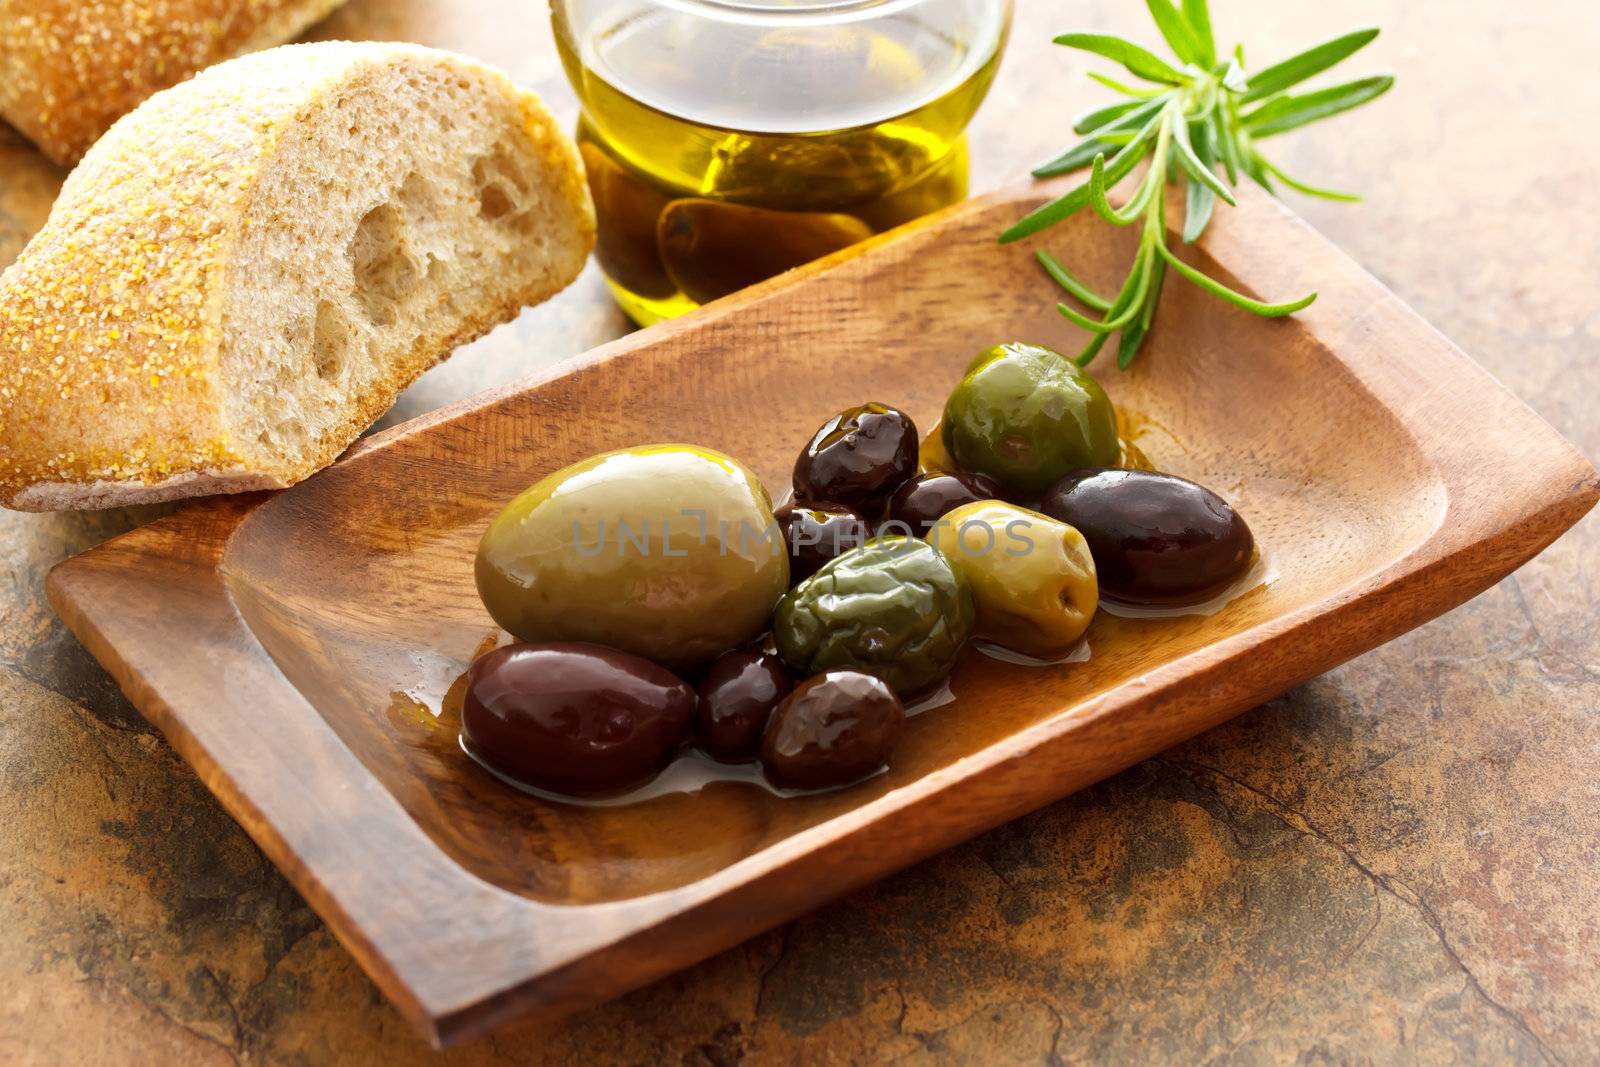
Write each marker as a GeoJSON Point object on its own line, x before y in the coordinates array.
{"type": "Point", "coordinates": [70, 68]}
{"type": "Point", "coordinates": [244, 272]}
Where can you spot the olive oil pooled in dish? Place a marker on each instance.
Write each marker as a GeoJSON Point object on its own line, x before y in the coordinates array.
{"type": "Point", "coordinates": [727, 142]}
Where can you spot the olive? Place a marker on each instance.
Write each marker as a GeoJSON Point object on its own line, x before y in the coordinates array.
{"type": "Point", "coordinates": [737, 696]}
{"type": "Point", "coordinates": [665, 551]}
{"type": "Point", "coordinates": [943, 185]}
{"type": "Point", "coordinates": [929, 497]}
{"type": "Point", "coordinates": [1032, 577]}
{"type": "Point", "coordinates": [858, 459]}
{"type": "Point", "coordinates": [893, 608]}
{"type": "Point", "coordinates": [574, 718]}
{"type": "Point", "coordinates": [712, 249]}
{"type": "Point", "coordinates": [626, 209]}
{"type": "Point", "coordinates": [833, 729]}
{"type": "Point", "coordinates": [1026, 416]}
{"type": "Point", "coordinates": [1155, 537]}
{"type": "Point", "coordinates": [816, 533]}
{"type": "Point", "coordinates": [931, 456]}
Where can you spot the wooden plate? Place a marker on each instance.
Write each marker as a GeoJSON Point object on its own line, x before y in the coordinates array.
{"type": "Point", "coordinates": [297, 648]}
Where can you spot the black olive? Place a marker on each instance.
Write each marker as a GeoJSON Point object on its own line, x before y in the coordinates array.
{"type": "Point", "coordinates": [816, 533]}
{"type": "Point", "coordinates": [832, 730]}
{"type": "Point", "coordinates": [858, 459]}
{"type": "Point", "coordinates": [737, 696]}
{"type": "Point", "coordinates": [1154, 537]}
{"type": "Point", "coordinates": [574, 718]}
{"type": "Point", "coordinates": [928, 498]}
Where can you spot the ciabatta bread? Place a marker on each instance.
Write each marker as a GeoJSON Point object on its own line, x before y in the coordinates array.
{"type": "Point", "coordinates": [244, 272]}
{"type": "Point", "coordinates": [70, 68]}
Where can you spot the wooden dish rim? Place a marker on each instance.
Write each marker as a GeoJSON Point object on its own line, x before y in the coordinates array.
{"type": "Point", "coordinates": [1531, 505]}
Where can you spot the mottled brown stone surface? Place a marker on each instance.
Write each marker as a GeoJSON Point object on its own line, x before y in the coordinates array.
{"type": "Point", "coordinates": [1397, 862]}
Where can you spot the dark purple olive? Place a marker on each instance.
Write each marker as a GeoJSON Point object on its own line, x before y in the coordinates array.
{"type": "Point", "coordinates": [737, 696]}
{"type": "Point", "coordinates": [1154, 537]}
{"type": "Point", "coordinates": [574, 718]}
{"type": "Point", "coordinates": [816, 533]}
{"type": "Point", "coordinates": [928, 498]}
{"type": "Point", "coordinates": [833, 729]}
{"type": "Point", "coordinates": [858, 459]}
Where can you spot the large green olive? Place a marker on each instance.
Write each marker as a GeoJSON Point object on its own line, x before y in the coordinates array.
{"type": "Point", "coordinates": [1026, 416]}
{"type": "Point", "coordinates": [893, 608]}
{"type": "Point", "coordinates": [665, 551]}
{"type": "Point", "coordinates": [1032, 577]}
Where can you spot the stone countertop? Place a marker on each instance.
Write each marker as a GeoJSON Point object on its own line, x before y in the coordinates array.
{"type": "Point", "coordinates": [1399, 861]}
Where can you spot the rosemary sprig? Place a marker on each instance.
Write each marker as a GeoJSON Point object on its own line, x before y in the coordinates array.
{"type": "Point", "coordinates": [1197, 115]}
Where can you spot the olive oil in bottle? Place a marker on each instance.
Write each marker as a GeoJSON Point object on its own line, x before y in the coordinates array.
{"type": "Point", "coordinates": [729, 140]}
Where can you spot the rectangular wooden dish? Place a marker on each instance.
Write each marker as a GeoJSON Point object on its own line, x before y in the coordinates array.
{"type": "Point", "coordinates": [295, 647]}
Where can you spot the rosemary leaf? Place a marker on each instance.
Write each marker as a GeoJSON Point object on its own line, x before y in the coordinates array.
{"type": "Point", "coordinates": [1297, 69]}
{"type": "Point", "coordinates": [1193, 164]}
{"type": "Point", "coordinates": [1071, 284]}
{"type": "Point", "coordinates": [1284, 113]}
{"type": "Point", "coordinates": [1211, 285]}
{"type": "Point", "coordinates": [1157, 277]}
{"type": "Point", "coordinates": [1092, 349]}
{"type": "Point", "coordinates": [1077, 157]}
{"type": "Point", "coordinates": [1102, 203]}
{"type": "Point", "coordinates": [1120, 87]}
{"type": "Point", "coordinates": [1227, 147]}
{"type": "Point", "coordinates": [1140, 62]}
{"type": "Point", "coordinates": [1177, 31]}
{"type": "Point", "coordinates": [1233, 78]}
{"type": "Point", "coordinates": [1198, 12]}
{"type": "Point", "coordinates": [1199, 199]}
{"type": "Point", "coordinates": [1307, 189]}
{"type": "Point", "coordinates": [1077, 197]}
{"type": "Point", "coordinates": [1093, 120]}
{"type": "Point", "coordinates": [1128, 344]}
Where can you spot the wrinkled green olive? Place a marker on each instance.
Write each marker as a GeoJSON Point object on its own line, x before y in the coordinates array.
{"type": "Point", "coordinates": [665, 551]}
{"type": "Point", "coordinates": [1026, 416]}
{"type": "Point", "coordinates": [893, 608]}
{"type": "Point", "coordinates": [1032, 577]}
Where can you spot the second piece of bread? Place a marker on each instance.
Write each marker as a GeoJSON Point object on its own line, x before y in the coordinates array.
{"type": "Point", "coordinates": [244, 273]}
{"type": "Point", "coordinates": [70, 68]}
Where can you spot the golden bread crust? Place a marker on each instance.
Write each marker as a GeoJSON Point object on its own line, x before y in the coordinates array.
{"type": "Point", "coordinates": [70, 68]}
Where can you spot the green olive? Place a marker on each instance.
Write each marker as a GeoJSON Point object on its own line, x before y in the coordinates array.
{"type": "Point", "coordinates": [893, 608]}
{"type": "Point", "coordinates": [1026, 416]}
{"type": "Point", "coordinates": [667, 551]}
{"type": "Point", "coordinates": [1032, 577]}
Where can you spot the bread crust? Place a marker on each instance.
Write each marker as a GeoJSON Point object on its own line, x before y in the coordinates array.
{"type": "Point", "coordinates": [112, 387]}
{"type": "Point", "coordinates": [90, 496]}
{"type": "Point", "coordinates": [70, 68]}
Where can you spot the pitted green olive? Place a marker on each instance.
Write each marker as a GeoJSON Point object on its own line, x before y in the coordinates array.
{"type": "Point", "coordinates": [1032, 577]}
{"type": "Point", "coordinates": [665, 551]}
{"type": "Point", "coordinates": [893, 608]}
{"type": "Point", "coordinates": [1026, 416]}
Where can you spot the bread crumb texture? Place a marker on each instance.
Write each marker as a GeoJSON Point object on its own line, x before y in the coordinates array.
{"type": "Point", "coordinates": [70, 68]}
{"type": "Point", "coordinates": [245, 271]}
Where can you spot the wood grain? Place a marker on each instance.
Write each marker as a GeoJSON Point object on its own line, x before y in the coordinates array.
{"type": "Point", "coordinates": [297, 629]}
